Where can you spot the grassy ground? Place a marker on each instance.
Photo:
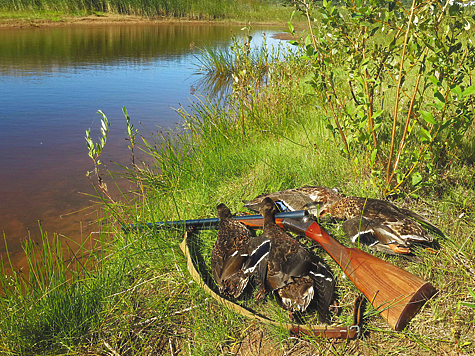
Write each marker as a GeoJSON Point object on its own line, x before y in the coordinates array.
{"type": "Point", "coordinates": [136, 297]}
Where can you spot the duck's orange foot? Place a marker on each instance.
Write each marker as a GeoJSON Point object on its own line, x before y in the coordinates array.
{"type": "Point", "coordinates": [335, 308]}
{"type": "Point", "coordinates": [259, 296]}
{"type": "Point", "coordinates": [399, 249]}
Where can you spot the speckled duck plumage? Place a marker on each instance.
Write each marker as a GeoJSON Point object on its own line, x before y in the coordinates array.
{"type": "Point", "coordinates": [285, 267]}
{"type": "Point", "coordinates": [230, 253]}
{"type": "Point", "coordinates": [382, 224]}
{"type": "Point", "coordinates": [316, 200]}
{"type": "Point", "coordinates": [376, 223]}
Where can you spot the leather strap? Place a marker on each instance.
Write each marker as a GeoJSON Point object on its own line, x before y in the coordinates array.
{"type": "Point", "coordinates": [341, 332]}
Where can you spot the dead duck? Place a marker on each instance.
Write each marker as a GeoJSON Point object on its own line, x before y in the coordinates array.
{"type": "Point", "coordinates": [229, 254]}
{"type": "Point", "coordinates": [382, 225]}
{"type": "Point", "coordinates": [376, 223]}
{"type": "Point", "coordinates": [286, 268]}
{"type": "Point", "coordinates": [316, 200]}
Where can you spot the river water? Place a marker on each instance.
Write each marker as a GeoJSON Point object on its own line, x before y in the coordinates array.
{"type": "Point", "coordinates": [52, 83]}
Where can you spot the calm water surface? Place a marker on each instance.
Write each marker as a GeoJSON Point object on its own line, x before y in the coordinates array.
{"type": "Point", "coordinates": [52, 83]}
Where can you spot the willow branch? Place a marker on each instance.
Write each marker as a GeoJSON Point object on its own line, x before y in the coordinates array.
{"type": "Point", "coordinates": [408, 119]}
{"type": "Point", "coordinates": [335, 117]}
{"type": "Point", "coordinates": [398, 89]}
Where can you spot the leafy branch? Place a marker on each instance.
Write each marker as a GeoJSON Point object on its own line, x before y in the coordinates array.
{"type": "Point", "coordinates": [397, 82]}
{"type": "Point", "coordinates": [94, 151]}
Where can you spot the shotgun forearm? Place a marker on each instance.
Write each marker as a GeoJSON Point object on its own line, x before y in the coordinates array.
{"type": "Point", "coordinates": [251, 221]}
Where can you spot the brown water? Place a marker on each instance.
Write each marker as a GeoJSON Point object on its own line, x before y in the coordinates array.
{"type": "Point", "coordinates": [52, 83]}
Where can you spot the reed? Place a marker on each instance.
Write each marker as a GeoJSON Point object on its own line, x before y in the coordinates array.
{"type": "Point", "coordinates": [193, 9]}
{"type": "Point", "coordinates": [56, 300]}
{"type": "Point", "coordinates": [224, 71]}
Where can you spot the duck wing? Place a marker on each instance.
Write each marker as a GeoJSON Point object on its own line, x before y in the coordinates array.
{"type": "Point", "coordinates": [287, 200]}
{"type": "Point", "coordinates": [324, 284]}
{"type": "Point", "coordinates": [314, 199]}
{"type": "Point", "coordinates": [256, 264]}
{"type": "Point", "coordinates": [370, 231]}
{"type": "Point", "coordinates": [423, 221]}
{"type": "Point", "coordinates": [230, 253]}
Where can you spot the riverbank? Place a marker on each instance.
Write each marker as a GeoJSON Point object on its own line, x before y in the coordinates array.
{"type": "Point", "coordinates": [61, 20]}
{"type": "Point", "coordinates": [22, 22]}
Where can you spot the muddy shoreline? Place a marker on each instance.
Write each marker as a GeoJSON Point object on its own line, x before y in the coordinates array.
{"type": "Point", "coordinates": [107, 19]}
{"type": "Point", "coordinates": [112, 19]}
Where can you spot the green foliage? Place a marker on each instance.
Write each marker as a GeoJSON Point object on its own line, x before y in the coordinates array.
{"type": "Point", "coordinates": [395, 82]}
{"type": "Point", "coordinates": [95, 150]}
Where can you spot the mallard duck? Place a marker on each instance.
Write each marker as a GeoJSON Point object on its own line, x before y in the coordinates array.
{"type": "Point", "coordinates": [286, 268]}
{"type": "Point", "coordinates": [230, 253]}
{"type": "Point", "coordinates": [314, 199]}
{"type": "Point", "coordinates": [376, 223]}
{"type": "Point", "coordinates": [382, 225]}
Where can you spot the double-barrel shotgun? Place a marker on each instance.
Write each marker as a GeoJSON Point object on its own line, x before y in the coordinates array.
{"type": "Point", "coordinates": [251, 221]}
{"type": "Point", "coordinates": [397, 294]}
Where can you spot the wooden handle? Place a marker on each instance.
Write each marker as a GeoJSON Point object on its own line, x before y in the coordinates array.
{"type": "Point", "coordinates": [396, 293]}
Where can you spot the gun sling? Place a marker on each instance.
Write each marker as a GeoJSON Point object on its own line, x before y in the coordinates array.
{"type": "Point", "coordinates": [341, 332]}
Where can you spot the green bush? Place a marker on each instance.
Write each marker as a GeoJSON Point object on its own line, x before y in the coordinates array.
{"type": "Point", "coordinates": [396, 82]}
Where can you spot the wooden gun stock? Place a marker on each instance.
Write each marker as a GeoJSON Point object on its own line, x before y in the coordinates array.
{"type": "Point", "coordinates": [396, 293]}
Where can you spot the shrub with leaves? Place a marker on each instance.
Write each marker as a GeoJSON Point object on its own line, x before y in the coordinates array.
{"type": "Point", "coordinates": [395, 81]}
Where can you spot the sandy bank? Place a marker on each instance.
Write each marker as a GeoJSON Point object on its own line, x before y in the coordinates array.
{"type": "Point", "coordinates": [105, 19]}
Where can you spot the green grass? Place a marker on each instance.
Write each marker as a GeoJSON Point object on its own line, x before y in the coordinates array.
{"type": "Point", "coordinates": [21, 14]}
{"type": "Point", "coordinates": [190, 9]}
{"type": "Point", "coordinates": [234, 68]}
{"type": "Point", "coordinates": [56, 301]}
{"type": "Point", "coordinates": [137, 298]}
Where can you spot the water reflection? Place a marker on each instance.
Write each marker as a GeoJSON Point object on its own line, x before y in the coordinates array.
{"type": "Point", "coordinates": [37, 51]}
{"type": "Point", "coordinates": [53, 81]}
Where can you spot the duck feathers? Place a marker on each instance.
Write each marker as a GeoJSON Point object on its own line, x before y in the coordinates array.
{"type": "Point", "coordinates": [393, 222]}
{"type": "Point", "coordinates": [377, 223]}
{"type": "Point", "coordinates": [423, 221]}
{"type": "Point", "coordinates": [298, 294]}
{"type": "Point", "coordinates": [292, 272]}
{"type": "Point", "coordinates": [256, 265]}
{"type": "Point", "coordinates": [314, 199]}
{"type": "Point", "coordinates": [382, 224]}
{"type": "Point", "coordinates": [230, 254]}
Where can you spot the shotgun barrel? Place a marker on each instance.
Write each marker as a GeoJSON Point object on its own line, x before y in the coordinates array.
{"type": "Point", "coordinates": [251, 221]}
{"type": "Point", "coordinates": [396, 293]}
